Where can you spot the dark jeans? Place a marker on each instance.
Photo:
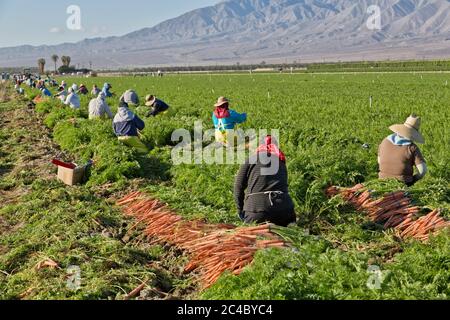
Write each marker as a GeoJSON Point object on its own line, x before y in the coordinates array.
{"type": "Point", "coordinates": [282, 219]}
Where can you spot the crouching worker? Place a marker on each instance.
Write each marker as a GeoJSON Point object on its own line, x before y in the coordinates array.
{"type": "Point", "coordinates": [130, 97]}
{"type": "Point", "coordinates": [73, 100]}
{"type": "Point", "coordinates": [261, 187]}
{"type": "Point", "coordinates": [398, 154]}
{"type": "Point", "coordinates": [126, 125]}
{"type": "Point", "coordinates": [45, 91]}
{"type": "Point", "coordinates": [225, 120]}
{"type": "Point", "coordinates": [158, 106]}
{"type": "Point", "coordinates": [106, 90]}
{"type": "Point", "coordinates": [99, 109]}
{"type": "Point", "coordinates": [83, 90]}
{"type": "Point", "coordinates": [95, 90]}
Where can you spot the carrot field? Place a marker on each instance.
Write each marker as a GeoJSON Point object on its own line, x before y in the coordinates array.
{"type": "Point", "coordinates": [330, 127]}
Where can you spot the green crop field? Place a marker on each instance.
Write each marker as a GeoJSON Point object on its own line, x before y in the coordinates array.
{"type": "Point", "coordinates": [324, 122]}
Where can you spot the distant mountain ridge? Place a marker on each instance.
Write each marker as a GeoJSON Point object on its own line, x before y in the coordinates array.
{"type": "Point", "coordinates": [249, 31]}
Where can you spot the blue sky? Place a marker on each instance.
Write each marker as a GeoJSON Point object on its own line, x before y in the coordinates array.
{"type": "Point", "coordinates": [44, 22]}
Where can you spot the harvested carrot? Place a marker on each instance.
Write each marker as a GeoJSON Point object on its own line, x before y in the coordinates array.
{"type": "Point", "coordinates": [393, 210]}
{"type": "Point", "coordinates": [136, 291]}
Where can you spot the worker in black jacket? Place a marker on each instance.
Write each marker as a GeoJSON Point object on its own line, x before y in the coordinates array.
{"type": "Point", "coordinates": [265, 177]}
{"type": "Point", "coordinates": [158, 106]}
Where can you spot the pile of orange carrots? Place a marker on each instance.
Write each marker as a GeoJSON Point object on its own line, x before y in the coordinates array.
{"type": "Point", "coordinates": [214, 248]}
{"type": "Point", "coordinates": [394, 210]}
{"type": "Point", "coordinates": [38, 99]}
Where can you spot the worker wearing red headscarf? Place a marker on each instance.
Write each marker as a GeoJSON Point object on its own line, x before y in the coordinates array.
{"type": "Point", "coordinates": [261, 187]}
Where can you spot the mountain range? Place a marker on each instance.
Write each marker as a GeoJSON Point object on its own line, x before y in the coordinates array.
{"type": "Point", "coordinates": [250, 31]}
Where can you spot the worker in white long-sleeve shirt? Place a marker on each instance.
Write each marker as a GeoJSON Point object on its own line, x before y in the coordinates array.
{"type": "Point", "coordinates": [98, 108]}
{"type": "Point", "coordinates": [72, 99]}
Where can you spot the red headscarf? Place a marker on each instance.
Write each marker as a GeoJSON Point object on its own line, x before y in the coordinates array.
{"type": "Point", "coordinates": [222, 112]}
{"type": "Point", "coordinates": [271, 148]}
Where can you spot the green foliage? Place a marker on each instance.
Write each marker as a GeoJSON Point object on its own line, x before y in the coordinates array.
{"type": "Point", "coordinates": [330, 136]}
{"type": "Point", "coordinates": [95, 140]}
{"type": "Point", "coordinates": [316, 271]}
{"type": "Point", "coordinates": [74, 228]}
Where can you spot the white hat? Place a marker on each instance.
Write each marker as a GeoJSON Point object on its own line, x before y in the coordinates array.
{"type": "Point", "coordinates": [410, 129]}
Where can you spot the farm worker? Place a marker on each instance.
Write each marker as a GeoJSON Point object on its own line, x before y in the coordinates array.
{"type": "Point", "coordinates": [62, 86]}
{"type": "Point", "coordinates": [130, 97]}
{"type": "Point", "coordinates": [83, 90]}
{"type": "Point", "coordinates": [62, 94]}
{"type": "Point", "coordinates": [45, 91]}
{"type": "Point", "coordinates": [95, 90]}
{"type": "Point", "coordinates": [105, 90]}
{"type": "Point", "coordinates": [40, 85]}
{"type": "Point", "coordinates": [158, 106]}
{"type": "Point", "coordinates": [98, 108]}
{"type": "Point", "coordinates": [18, 89]}
{"type": "Point", "coordinates": [225, 120]}
{"type": "Point", "coordinates": [72, 99]}
{"type": "Point", "coordinates": [398, 154]}
{"type": "Point", "coordinates": [126, 127]}
{"type": "Point", "coordinates": [265, 177]}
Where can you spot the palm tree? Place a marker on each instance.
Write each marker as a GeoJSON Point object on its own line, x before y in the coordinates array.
{"type": "Point", "coordinates": [41, 65]}
{"type": "Point", "coordinates": [66, 60]}
{"type": "Point", "coordinates": [55, 59]}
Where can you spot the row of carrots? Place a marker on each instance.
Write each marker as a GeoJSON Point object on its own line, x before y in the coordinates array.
{"type": "Point", "coordinates": [214, 248]}
{"type": "Point", "coordinates": [394, 210]}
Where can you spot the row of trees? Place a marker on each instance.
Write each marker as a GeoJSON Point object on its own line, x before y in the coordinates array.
{"type": "Point", "coordinates": [55, 58]}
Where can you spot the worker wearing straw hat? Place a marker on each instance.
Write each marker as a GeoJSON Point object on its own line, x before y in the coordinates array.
{"type": "Point", "coordinates": [225, 120]}
{"type": "Point", "coordinates": [83, 90]}
{"type": "Point", "coordinates": [158, 106]}
{"type": "Point", "coordinates": [398, 154]}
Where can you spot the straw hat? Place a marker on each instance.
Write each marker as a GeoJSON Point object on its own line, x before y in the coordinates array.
{"type": "Point", "coordinates": [221, 101]}
{"type": "Point", "coordinates": [150, 100]}
{"type": "Point", "coordinates": [410, 129]}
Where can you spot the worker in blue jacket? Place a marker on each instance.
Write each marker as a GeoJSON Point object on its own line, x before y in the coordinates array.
{"type": "Point", "coordinates": [105, 90]}
{"type": "Point", "coordinates": [126, 126]}
{"type": "Point", "coordinates": [225, 120]}
{"type": "Point", "coordinates": [46, 92]}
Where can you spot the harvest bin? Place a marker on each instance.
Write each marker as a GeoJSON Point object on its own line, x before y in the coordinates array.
{"type": "Point", "coordinates": [71, 173]}
{"type": "Point", "coordinates": [72, 177]}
